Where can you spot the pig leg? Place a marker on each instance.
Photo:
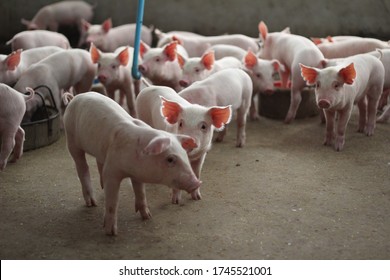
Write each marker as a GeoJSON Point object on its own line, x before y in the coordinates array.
{"type": "Point", "coordinates": [385, 115]}
{"type": "Point", "coordinates": [137, 87]}
{"type": "Point", "coordinates": [130, 102]}
{"type": "Point", "coordinates": [253, 109]}
{"type": "Point", "coordinates": [111, 194]}
{"type": "Point", "coordinates": [297, 84]}
{"type": "Point", "coordinates": [241, 124]}
{"type": "Point", "coordinates": [221, 135]}
{"type": "Point", "coordinates": [82, 168]}
{"type": "Point", "coordinates": [85, 84]}
{"type": "Point", "coordinates": [372, 105]}
{"type": "Point", "coordinates": [343, 116]}
{"type": "Point", "coordinates": [18, 149]}
{"type": "Point", "coordinates": [176, 196]}
{"type": "Point", "coordinates": [284, 76]}
{"type": "Point", "coordinates": [330, 120]}
{"type": "Point", "coordinates": [8, 143]}
{"type": "Point", "coordinates": [141, 204]}
{"type": "Point", "coordinates": [362, 105]}
{"type": "Point", "coordinates": [383, 99]}
{"type": "Point", "coordinates": [100, 168]}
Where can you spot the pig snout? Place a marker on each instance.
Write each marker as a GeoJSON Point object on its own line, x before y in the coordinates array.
{"type": "Point", "coordinates": [102, 78]}
{"type": "Point", "coordinates": [323, 104]}
{"type": "Point", "coordinates": [143, 69]}
{"type": "Point", "coordinates": [269, 91]}
{"type": "Point", "coordinates": [184, 83]}
{"type": "Point", "coordinates": [189, 184]}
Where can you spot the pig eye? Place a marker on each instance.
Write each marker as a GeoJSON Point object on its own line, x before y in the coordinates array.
{"type": "Point", "coordinates": [197, 70]}
{"type": "Point", "coordinates": [171, 160]}
{"type": "Point", "coordinates": [318, 84]}
{"type": "Point", "coordinates": [203, 126]}
{"type": "Point", "coordinates": [258, 75]}
{"type": "Point", "coordinates": [113, 67]}
{"type": "Point", "coordinates": [157, 59]}
{"type": "Point", "coordinates": [181, 123]}
{"type": "Point", "coordinates": [336, 85]}
{"type": "Point", "coordinates": [99, 65]}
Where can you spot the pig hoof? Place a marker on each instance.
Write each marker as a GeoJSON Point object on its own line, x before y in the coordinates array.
{"type": "Point", "coordinates": [91, 202]}
{"type": "Point", "coordinates": [196, 195]}
{"type": "Point", "coordinates": [110, 228]}
{"type": "Point", "coordinates": [176, 196]}
{"type": "Point", "coordinates": [144, 211]}
{"type": "Point", "coordinates": [254, 117]}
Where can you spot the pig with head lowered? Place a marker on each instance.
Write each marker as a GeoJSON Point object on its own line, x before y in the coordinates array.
{"type": "Point", "coordinates": [354, 80]}
{"type": "Point", "coordinates": [38, 38]}
{"type": "Point", "coordinates": [14, 64]}
{"type": "Point", "coordinates": [290, 50]}
{"type": "Point", "coordinates": [226, 87]}
{"type": "Point", "coordinates": [124, 147]}
{"type": "Point", "coordinates": [12, 108]}
{"type": "Point", "coordinates": [162, 108]}
{"type": "Point", "coordinates": [161, 66]}
{"type": "Point", "coordinates": [114, 72]}
{"type": "Point", "coordinates": [59, 71]}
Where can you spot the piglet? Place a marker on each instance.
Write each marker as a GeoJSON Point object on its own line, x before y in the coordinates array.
{"type": "Point", "coordinates": [161, 66]}
{"type": "Point", "coordinates": [12, 108]}
{"type": "Point", "coordinates": [199, 68]}
{"type": "Point", "coordinates": [38, 38]}
{"type": "Point", "coordinates": [14, 64]}
{"type": "Point", "coordinates": [162, 108]}
{"type": "Point", "coordinates": [114, 72]}
{"type": "Point", "coordinates": [108, 38]}
{"type": "Point", "coordinates": [124, 148]}
{"type": "Point", "coordinates": [356, 79]}
{"type": "Point", "coordinates": [226, 87]}
{"type": "Point", "coordinates": [290, 50]}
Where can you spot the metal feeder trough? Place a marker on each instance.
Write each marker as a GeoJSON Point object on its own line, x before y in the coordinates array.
{"type": "Point", "coordinates": [44, 127]}
{"type": "Point", "coordinates": [276, 105]}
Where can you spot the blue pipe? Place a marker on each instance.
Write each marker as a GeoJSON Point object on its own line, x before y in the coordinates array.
{"type": "Point", "coordinates": [140, 14]}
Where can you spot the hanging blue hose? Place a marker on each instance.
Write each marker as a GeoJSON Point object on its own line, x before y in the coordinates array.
{"type": "Point", "coordinates": [140, 14]}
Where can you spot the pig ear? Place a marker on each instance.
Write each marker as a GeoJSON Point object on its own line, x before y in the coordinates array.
{"type": "Point", "coordinates": [208, 60]}
{"type": "Point", "coordinates": [263, 29]}
{"type": "Point", "coordinates": [277, 65]}
{"type": "Point", "coordinates": [143, 48]}
{"type": "Point", "coordinates": [95, 53]}
{"type": "Point", "coordinates": [221, 116]}
{"type": "Point", "coordinates": [85, 25]}
{"type": "Point", "coordinates": [106, 25]}
{"type": "Point", "coordinates": [175, 38]}
{"type": "Point", "coordinates": [330, 39]}
{"type": "Point", "coordinates": [348, 74]}
{"type": "Point", "coordinates": [181, 60]}
{"type": "Point", "coordinates": [123, 57]}
{"type": "Point", "coordinates": [250, 59]}
{"type": "Point", "coordinates": [316, 40]}
{"type": "Point", "coordinates": [157, 146]}
{"type": "Point", "coordinates": [309, 74]}
{"type": "Point", "coordinates": [25, 22]}
{"type": "Point", "coordinates": [170, 50]}
{"type": "Point", "coordinates": [13, 60]}
{"type": "Point", "coordinates": [170, 110]}
{"type": "Point", "coordinates": [188, 143]}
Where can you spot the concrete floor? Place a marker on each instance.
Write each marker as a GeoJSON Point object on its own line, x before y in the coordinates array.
{"type": "Point", "coordinates": [283, 196]}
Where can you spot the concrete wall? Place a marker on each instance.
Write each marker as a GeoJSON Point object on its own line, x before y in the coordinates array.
{"type": "Point", "coordinates": [210, 17]}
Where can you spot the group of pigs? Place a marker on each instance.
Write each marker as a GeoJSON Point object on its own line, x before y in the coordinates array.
{"type": "Point", "coordinates": [192, 85]}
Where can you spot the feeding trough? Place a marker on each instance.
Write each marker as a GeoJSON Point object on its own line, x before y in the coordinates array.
{"type": "Point", "coordinates": [276, 105]}
{"type": "Point", "coordinates": [44, 127]}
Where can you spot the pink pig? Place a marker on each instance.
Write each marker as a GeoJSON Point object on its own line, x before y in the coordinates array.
{"type": "Point", "coordinates": [124, 147]}
{"type": "Point", "coordinates": [38, 38]}
{"type": "Point", "coordinates": [114, 72]}
{"type": "Point", "coordinates": [70, 13]}
{"type": "Point", "coordinates": [108, 38]}
{"type": "Point", "coordinates": [59, 71]}
{"type": "Point", "coordinates": [12, 108]}
{"type": "Point", "coordinates": [290, 50]}
{"type": "Point", "coordinates": [162, 108]}
{"type": "Point", "coordinates": [160, 65]}
{"type": "Point", "coordinates": [226, 87]}
{"type": "Point", "coordinates": [262, 74]}
{"type": "Point", "coordinates": [356, 79]}
{"type": "Point", "coordinates": [199, 68]}
{"type": "Point", "coordinates": [14, 64]}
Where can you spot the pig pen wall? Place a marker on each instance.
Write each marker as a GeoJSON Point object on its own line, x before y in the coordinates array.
{"type": "Point", "coordinates": [304, 17]}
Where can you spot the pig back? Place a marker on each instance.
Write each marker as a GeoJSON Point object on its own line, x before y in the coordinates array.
{"type": "Point", "coordinates": [12, 105]}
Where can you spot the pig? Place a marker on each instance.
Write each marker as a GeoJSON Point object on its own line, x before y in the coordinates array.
{"type": "Point", "coordinates": [332, 39]}
{"type": "Point", "coordinates": [355, 80]}
{"type": "Point", "coordinates": [262, 74]}
{"type": "Point", "coordinates": [226, 87]}
{"type": "Point", "coordinates": [223, 50]}
{"type": "Point", "coordinates": [384, 56]}
{"type": "Point", "coordinates": [352, 46]}
{"type": "Point", "coordinates": [162, 108]}
{"type": "Point", "coordinates": [160, 65]}
{"type": "Point", "coordinates": [108, 38]}
{"type": "Point", "coordinates": [51, 17]}
{"type": "Point", "coordinates": [114, 72]}
{"type": "Point", "coordinates": [38, 38]}
{"type": "Point", "coordinates": [290, 50]}
{"type": "Point", "coordinates": [124, 147]}
{"type": "Point", "coordinates": [197, 45]}
{"type": "Point", "coordinates": [59, 71]}
{"type": "Point", "coordinates": [199, 68]}
{"type": "Point", "coordinates": [14, 64]}
{"type": "Point", "coordinates": [12, 108]}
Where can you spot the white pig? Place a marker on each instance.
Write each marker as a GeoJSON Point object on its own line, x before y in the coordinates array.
{"type": "Point", "coordinates": [63, 13]}
{"type": "Point", "coordinates": [223, 50]}
{"type": "Point", "coordinates": [199, 68]}
{"type": "Point", "coordinates": [162, 108]}
{"type": "Point", "coordinates": [14, 64]}
{"type": "Point", "coordinates": [262, 74]}
{"type": "Point", "coordinates": [124, 147]}
{"type": "Point", "coordinates": [59, 71]}
{"type": "Point", "coordinates": [226, 87]}
{"type": "Point", "coordinates": [12, 108]}
{"type": "Point", "coordinates": [354, 80]}
{"type": "Point", "coordinates": [290, 50]}
{"type": "Point", "coordinates": [108, 38]}
{"type": "Point", "coordinates": [38, 38]}
{"type": "Point", "coordinates": [160, 65]}
{"type": "Point", "coordinates": [114, 72]}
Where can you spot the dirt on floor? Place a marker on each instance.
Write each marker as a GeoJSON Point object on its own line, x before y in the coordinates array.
{"type": "Point", "coordinates": [283, 196]}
